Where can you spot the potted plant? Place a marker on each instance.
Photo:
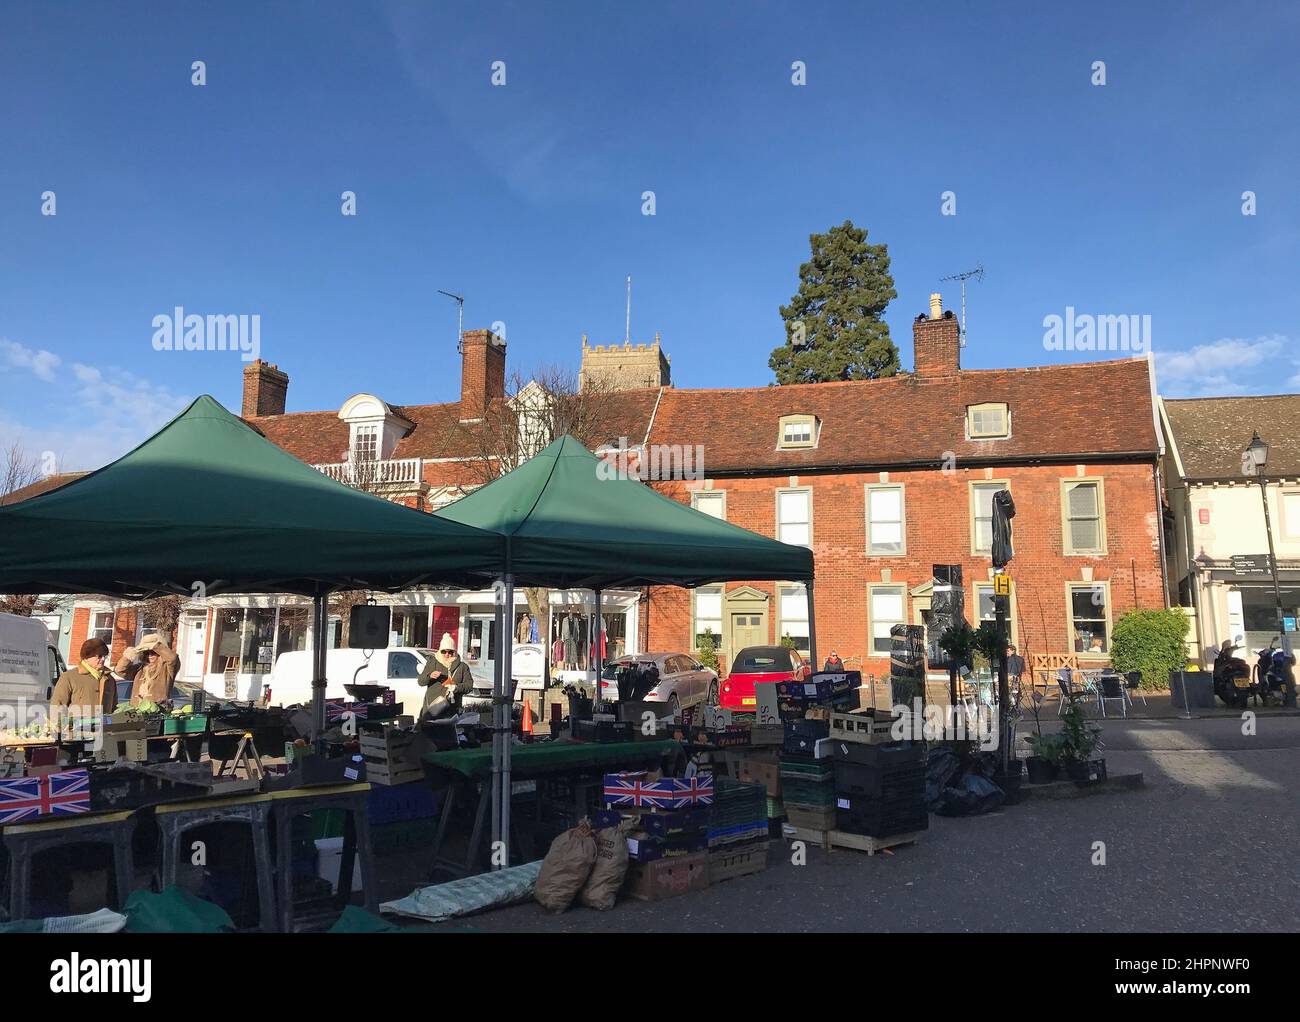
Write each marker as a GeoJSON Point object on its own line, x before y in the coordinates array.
{"type": "Point", "coordinates": [1079, 740]}
{"type": "Point", "coordinates": [1045, 762]}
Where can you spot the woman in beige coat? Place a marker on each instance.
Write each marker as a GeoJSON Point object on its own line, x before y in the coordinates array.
{"type": "Point", "coordinates": [151, 668]}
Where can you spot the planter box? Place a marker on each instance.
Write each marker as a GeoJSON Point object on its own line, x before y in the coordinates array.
{"type": "Point", "coordinates": [1089, 772]}
{"type": "Point", "coordinates": [1041, 771]}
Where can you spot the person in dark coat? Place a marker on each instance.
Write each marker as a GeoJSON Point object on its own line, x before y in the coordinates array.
{"type": "Point", "coordinates": [88, 689]}
{"type": "Point", "coordinates": [833, 662]}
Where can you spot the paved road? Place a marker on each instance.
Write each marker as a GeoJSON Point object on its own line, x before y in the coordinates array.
{"type": "Point", "coordinates": [1209, 844]}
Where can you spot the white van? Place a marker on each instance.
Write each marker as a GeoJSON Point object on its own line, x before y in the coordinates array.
{"type": "Point", "coordinates": [29, 668]}
{"type": "Point", "coordinates": [397, 667]}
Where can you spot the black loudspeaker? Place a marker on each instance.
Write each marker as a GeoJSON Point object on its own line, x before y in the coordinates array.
{"type": "Point", "coordinates": [369, 626]}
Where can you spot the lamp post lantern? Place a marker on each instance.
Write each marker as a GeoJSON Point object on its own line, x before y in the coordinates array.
{"type": "Point", "coordinates": [1253, 460]}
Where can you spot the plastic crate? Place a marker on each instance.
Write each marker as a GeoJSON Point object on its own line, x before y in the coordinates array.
{"type": "Point", "coordinates": [875, 782]}
{"type": "Point", "coordinates": [881, 818]}
{"type": "Point", "coordinates": [398, 802]}
{"type": "Point", "coordinates": [188, 724]}
{"type": "Point", "coordinates": [886, 755]}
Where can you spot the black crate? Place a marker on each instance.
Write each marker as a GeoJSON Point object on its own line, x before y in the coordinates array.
{"type": "Point", "coordinates": [889, 755]}
{"type": "Point", "coordinates": [603, 731]}
{"type": "Point", "coordinates": [877, 818]}
{"type": "Point", "coordinates": [808, 728]}
{"type": "Point", "coordinates": [877, 782]}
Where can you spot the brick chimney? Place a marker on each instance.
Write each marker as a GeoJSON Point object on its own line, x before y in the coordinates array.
{"type": "Point", "coordinates": [936, 339]}
{"type": "Point", "coordinates": [482, 372]}
{"type": "Point", "coordinates": [265, 387]}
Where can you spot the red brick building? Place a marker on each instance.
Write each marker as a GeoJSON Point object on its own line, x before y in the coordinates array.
{"type": "Point", "coordinates": [882, 478]}
{"type": "Point", "coordinates": [886, 478]}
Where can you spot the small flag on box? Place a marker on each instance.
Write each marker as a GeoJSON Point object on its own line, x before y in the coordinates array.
{"type": "Point", "coordinates": [665, 793]}
{"type": "Point", "coordinates": [61, 794]}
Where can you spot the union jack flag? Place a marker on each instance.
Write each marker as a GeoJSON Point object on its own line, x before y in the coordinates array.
{"type": "Point", "coordinates": [62, 794]}
{"type": "Point", "coordinates": [664, 793]}
{"type": "Point", "coordinates": [336, 709]}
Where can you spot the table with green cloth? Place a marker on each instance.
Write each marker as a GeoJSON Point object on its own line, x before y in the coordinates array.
{"type": "Point", "coordinates": [466, 768]}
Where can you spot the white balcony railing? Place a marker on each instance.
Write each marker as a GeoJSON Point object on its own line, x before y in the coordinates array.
{"type": "Point", "coordinates": [384, 472]}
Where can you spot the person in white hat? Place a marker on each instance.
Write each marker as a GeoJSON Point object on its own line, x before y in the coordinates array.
{"type": "Point", "coordinates": [151, 667]}
{"type": "Point", "coordinates": [447, 678]}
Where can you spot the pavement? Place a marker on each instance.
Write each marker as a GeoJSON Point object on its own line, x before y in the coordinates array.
{"type": "Point", "coordinates": [1209, 843]}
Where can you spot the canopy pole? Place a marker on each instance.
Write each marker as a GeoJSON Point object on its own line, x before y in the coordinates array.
{"type": "Point", "coordinates": [319, 622]}
{"type": "Point", "coordinates": [600, 652]}
{"type": "Point", "coordinates": [812, 629]}
{"type": "Point", "coordinates": [507, 712]}
{"type": "Point", "coordinates": [497, 754]}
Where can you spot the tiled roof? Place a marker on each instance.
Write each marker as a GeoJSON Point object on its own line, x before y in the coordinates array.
{"type": "Point", "coordinates": [52, 482]}
{"type": "Point", "coordinates": [322, 437]}
{"type": "Point", "coordinates": [1211, 433]}
{"type": "Point", "coordinates": [1091, 409]}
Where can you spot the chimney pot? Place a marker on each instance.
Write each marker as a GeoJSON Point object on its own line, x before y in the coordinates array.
{"type": "Point", "coordinates": [937, 341]}
{"type": "Point", "coordinates": [936, 305]}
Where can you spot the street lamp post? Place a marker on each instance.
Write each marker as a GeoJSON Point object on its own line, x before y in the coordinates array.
{"type": "Point", "coordinates": [1253, 460]}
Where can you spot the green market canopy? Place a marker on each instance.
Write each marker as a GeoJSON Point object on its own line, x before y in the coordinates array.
{"type": "Point", "coordinates": [210, 500]}
{"type": "Point", "coordinates": [568, 525]}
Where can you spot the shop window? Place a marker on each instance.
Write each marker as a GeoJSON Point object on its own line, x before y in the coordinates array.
{"type": "Point", "coordinates": [885, 608]}
{"type": "Point", "coordinates": [711, 502]}
{"type": "Point", "coordinates": [1083, 517]}
{"type": "Point", "coordinates": [794, 517]}
{"type": "Point", "coordinates": [792, 607]}
{"type": "Point", "coordinates": [410, 627]}
{"type": "Point", "coordinates": [1089, 610]}
{"type": "Point", "coordinates": [981, 507]}
{"type": "Point", "coordinates": [885, 521]}
{"type": "Point", "coordinates": [291, 632]}
{"type": "Point", "coordinates": [987, 422]}
{"type": "Point", "coordinates": [245, 640]}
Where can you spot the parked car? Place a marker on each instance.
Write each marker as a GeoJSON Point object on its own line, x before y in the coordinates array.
{"type": "Point", "coordinates": [683, 680]}
{"type": "Point", "coordinates": [756, 664]}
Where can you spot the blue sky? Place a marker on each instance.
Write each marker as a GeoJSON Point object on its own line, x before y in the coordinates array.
{"type": "Point", "coordinates": [1115, 199]}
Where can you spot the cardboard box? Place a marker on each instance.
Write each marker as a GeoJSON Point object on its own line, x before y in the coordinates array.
{"type": "Point", "coordinates": [667, 878]}
{"type": "Point", "coordinates": [638, 791]}
{"type": "Point", "coordinates": [761, 768]}
{"type": "Point", "coordinates": [131, 746]}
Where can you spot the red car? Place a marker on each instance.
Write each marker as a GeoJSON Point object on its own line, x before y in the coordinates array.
{"type": "Point", "coordinates": [756, 664]}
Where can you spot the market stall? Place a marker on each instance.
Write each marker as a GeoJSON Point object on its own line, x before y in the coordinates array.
{"type": "Point", "coordinates": [205, 506]}
{"type": "Point", "coordinates": [572, 520]}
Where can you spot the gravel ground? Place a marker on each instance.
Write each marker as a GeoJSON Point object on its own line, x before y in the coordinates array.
{"type": "Point", "coordinates": [1208, 844]}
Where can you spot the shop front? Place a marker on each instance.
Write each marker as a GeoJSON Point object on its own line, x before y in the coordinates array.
{"type": "Point", "coordinates": [1243, 610]}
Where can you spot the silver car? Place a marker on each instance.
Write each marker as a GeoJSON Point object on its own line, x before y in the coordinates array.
{"type": "Point", "coordinates": [683, 680]}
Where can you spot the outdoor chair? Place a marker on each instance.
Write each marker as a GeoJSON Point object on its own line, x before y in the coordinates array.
{"type": "Point", "coordinates": [1109, 674]}
{"type": "Point", "coordinates": [1134, 684]}
{"type": "Point", "coordinates": [1074, 689]}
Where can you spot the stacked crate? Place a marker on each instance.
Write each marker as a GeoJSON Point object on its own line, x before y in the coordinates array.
{"type": "Point", "coordinates": [808, 787]}
{"type": "Point", "coordinates": [737, 829]}
{"type": "Point", "coordinates": [879, 784]}
{"type": "Point", "coordinates": [393, 756]}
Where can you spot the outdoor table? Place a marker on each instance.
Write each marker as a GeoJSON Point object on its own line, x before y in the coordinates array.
{"type": "Point", "coordinates": [466, 767]}
{"type": "Point", "coordinates": [25, 840]}
{"type": "Point", "coordinates": [352, 799]}
{"type": "Point", "coordinates": [176, 818]}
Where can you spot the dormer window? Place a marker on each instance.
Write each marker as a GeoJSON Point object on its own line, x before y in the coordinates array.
{"type": "Point", "coordinates": [797, 431]}
{"type": "Point", "coordinates": [988, 422]}
{"type": "Point", "coordinates": [365, 443]}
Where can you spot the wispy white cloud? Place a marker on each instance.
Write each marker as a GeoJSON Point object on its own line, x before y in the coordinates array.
{"type": "Point", "coordinates": [37, 361]}
{"type": "Point", "coordinates": [1230, 365]}
{"type": "Point", "coordinates": [95, 415]}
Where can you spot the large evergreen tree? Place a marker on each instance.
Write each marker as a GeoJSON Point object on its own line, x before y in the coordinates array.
{"type": "Point", "coordinates": [834, 329]}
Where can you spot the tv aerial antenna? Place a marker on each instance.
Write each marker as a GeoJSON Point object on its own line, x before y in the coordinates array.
{"type": "Point", "coordinates": [977, 274]}
{"type": "Point", "coordinates": [460, 322]}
